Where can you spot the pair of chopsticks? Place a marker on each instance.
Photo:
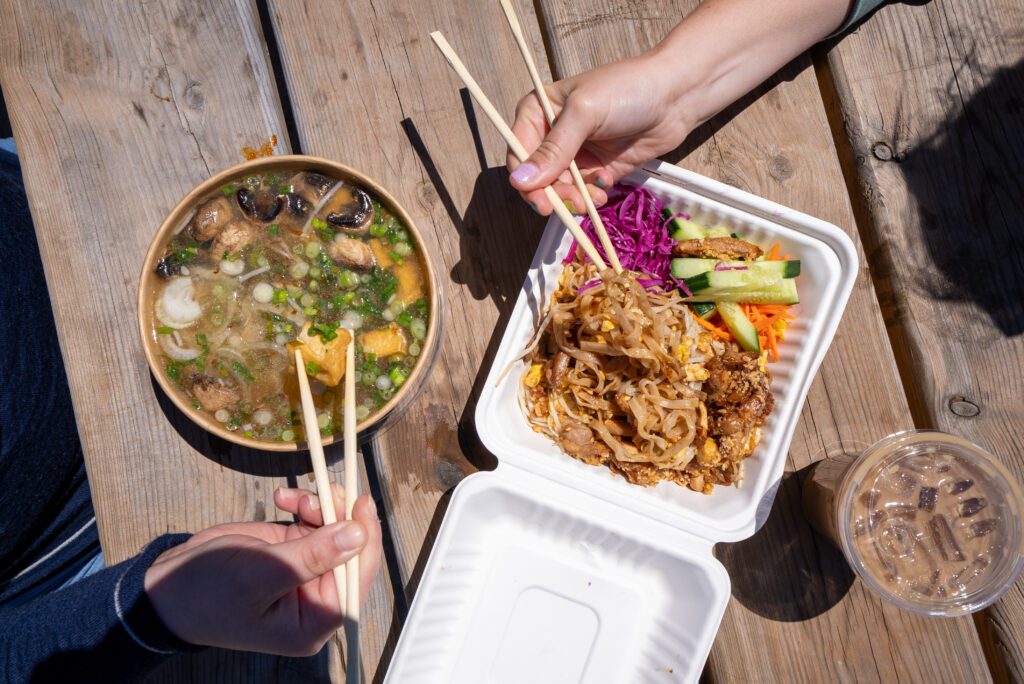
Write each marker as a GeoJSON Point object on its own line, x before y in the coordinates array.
{"type": "Point", "coordinates": [346, 578]}
{"type": "Point", "coordinates": [519, 151]}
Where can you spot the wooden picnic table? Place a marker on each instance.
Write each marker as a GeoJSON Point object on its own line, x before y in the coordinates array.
{"type": "Point", "coordinates": [907, 133]}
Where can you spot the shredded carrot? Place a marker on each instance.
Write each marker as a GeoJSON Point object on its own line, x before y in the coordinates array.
{"type": "Point", "coordinates": [720, 333]}
{"type": "Point", "coordinates": [773, 253]}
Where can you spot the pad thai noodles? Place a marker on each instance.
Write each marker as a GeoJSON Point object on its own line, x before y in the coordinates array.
{"type": "Point", "coordinates": [627, 371]}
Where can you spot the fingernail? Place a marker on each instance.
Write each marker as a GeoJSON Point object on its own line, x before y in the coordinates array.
{"type": "Point", "coordinates": [599, 182]}
{"type": "Point", "coordinates": [350, 536]}
{"type": "Point", "coordinates": [570, 206]}
{"type": "Point", "coordinates": [314, 502]}
{"type": "Point", "coordinates": [534, 207]}
{"type": "Point", "coordinates": [373, 509]}
{"type": "Point", "coordinates": [525, 173]}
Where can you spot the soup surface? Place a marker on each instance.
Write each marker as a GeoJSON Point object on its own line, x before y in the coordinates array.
{"type": "Point", "coordinates": [272, 263]}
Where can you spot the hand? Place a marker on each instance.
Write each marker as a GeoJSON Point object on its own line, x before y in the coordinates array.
{"type": "Point", "coordinates": [266, 587]}
{"type": "Point", "coordinates": [609, 119]}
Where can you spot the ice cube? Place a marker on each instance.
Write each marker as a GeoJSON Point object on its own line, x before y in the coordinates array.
{"type": "Point", "coordinates": [942, 536]}
{"type": "Point", "coordinates": [906, 511]}
{"type": "Point", "coordinates": [904, 483]}
{"type": "Point", "coordinates": [971, 506]}
{"type": "Point", "coordinates": [927, 497]}
{"type": "Point", "coordinates": [876, 517]}
{"type": "Point", "coordinates": [926, 583]}
{"type": "Point", "coordinates": [963, 578]}
{"type": "Point", "coordinates": [869, 498]}
{"type": "Point", "coordinates": [959, 486]}
{"type": "Point", "coordinates": [898, 538]}
{"type": "Point", "coordinates": [982, 528]}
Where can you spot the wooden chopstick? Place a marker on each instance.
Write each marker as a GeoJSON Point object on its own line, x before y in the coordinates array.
{"type": "Point", "coordinates": [549, 113]}
{"type": "Point", "coordinates": [346, 577]}
{"type": "Point", "coordinates": [517, 147]}
{"type": "Point", "coordinates": [351, 493]}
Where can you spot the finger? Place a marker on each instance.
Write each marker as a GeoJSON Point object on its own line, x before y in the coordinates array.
{"type": "Point", "coordinates": [529, 127]}
{"type": "Point", "coordinates": [552, 156]}
{"type": "Point", "coordinates": [293, 563]}
{"type": "Point", "coordinates": [309, 506]}
{"type": "Point", "coordinates": [287, 498]}
{"type": "Point", "coordinates": [600, 177]}
{"type": "Point", "coordinates": [365, 512]}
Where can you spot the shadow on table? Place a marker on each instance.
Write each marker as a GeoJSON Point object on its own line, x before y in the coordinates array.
{"type": "Point", "coordinates": [498, 235]}
{"type": "Point", "coordinates": [786, 571]}
{"type": "Point", "coordinates": [290, 464]}
{"type": "Point", "coordinates": [967, 177]}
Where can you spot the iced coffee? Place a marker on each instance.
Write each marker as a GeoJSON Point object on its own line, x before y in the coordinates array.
{"type": "Point", "coordinates": [927, 519]}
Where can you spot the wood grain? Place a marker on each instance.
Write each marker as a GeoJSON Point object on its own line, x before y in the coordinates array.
{"type": "Point", "coordinates": [794, 615]}
{"type": "Point", "coordinates": [930, 97]}
{"type": "Point", "coordinates": [376, 94]}
{"type": "Point", "coordinates": [118, 110]}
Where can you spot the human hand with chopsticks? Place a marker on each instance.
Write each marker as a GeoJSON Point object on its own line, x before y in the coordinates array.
{"type": "Point", "coordinates": [262, 586]}
{"type": "Point", "coordinates": [615, 117]}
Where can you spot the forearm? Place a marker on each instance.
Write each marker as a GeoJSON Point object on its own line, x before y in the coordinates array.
{"type": "Point", "coordinates": [725, 48]}
{"type": "Point", "coordinates": [102, 628]}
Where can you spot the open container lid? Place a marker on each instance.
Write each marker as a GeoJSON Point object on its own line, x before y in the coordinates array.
{"type": "Point", "coordinates": [552, 570]}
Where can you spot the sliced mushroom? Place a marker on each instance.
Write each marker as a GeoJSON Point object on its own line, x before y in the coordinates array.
{"type": "Point", "coordinates": [235, 237]}
{"type": "Point", "coordinates": [211, 216]}
{"type": "Point", "coordinates": [351, 252]}
{"type": "Point", "coordinates": [296, 205]}
{"type": "Point", "coordinates": [310, 186]}
{"type": "Point", "coordinates": [557, 370]}
{"type": "Point", "coordinates": [167, 267]}
{"type": "Point", "coordinates": [349, 209]}
{"type": "Point", "coordinates": [259, 205]}
{"type": "Point", "coordinates": [213, 393]}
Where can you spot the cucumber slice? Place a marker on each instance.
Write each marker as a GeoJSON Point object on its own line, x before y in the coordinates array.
{"type": "Point", "coordinates": [783, 292]}
{"type": "Point", "coordinates": [749, 279]}
{"type": "Point", "coordinates": [703, 309]}
{"type": "Point", "coordinates": [682, 228]}
{"type": "Point", "coordinates": [688, 267]}
{"type": "Point", "coordinates": [719, 231]}
{"type": "Point", "coordinates": [740, 326]}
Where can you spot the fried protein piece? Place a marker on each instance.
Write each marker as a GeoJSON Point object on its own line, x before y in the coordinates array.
{"type": "Point", "coordinates": [718, 248]}
{"type": "Point", "coordinates": [212, 393]}
{"type": "Point", "coordinates": [739, 402]}
{"type": "Point", "coordinates": [577, 440]}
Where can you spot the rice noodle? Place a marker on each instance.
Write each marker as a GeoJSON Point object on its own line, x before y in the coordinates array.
{"type": "Point", "coordinates": [253, 273]}
{"type": "Point", "coordinates": [624, 367]}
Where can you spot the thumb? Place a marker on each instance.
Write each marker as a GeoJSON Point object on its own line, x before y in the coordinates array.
{"type": "Point", "coordinates": [572, 128]}
{"type": "Point", "coordinates": [302, 560]}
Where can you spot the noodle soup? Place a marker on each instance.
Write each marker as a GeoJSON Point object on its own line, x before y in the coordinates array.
{"type": "Point", "coordinates": [275, 260]}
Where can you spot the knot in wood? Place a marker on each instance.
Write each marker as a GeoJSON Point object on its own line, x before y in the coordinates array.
{"type": "Point", "coordinates": [882, 151]}
{"type": "Point", "coordinates": [963, 407]}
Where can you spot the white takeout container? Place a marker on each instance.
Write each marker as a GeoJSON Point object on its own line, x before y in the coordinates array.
{"type": "Point", "coordinates": [549, 570]}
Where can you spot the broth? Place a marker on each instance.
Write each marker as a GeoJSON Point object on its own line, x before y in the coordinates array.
{"type": "Point", "coordinates": [274, 262]}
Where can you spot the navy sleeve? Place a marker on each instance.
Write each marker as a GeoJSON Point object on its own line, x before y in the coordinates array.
{"type": "Point", "coordinates": [101, 628]}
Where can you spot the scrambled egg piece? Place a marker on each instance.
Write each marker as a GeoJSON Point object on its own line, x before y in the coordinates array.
{"type": "Point", "coordinates": [607, 325]}
{"type": "Point", "coordinates": [708, 454]}
{"type": "Point", "coordinates": [328, 357]}
{"type": "Point", "coordinates": [384, 342]}
{"type": "Point", "coordinates": [704, 343]}
{"type": "Point", "coordinates": [683, 350]}
{"type": "Point", "coordinates": [533, 375]}
{"type": "Point", "coordinates": [762, 361]}
{"type": "Point", "coordinates": [696, 372]}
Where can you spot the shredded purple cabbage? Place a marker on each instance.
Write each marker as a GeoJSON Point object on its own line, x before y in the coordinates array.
{"type": "Point", "coordinates": [723, 266]}
{"type": "Point", "coordinates": [636, 229]}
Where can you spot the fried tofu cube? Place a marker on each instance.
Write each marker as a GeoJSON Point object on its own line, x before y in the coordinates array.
{"type": "Point", "coordinates": [328, 356]}
{"type": "Point", "coordinates": [409, 274]}
{"type": "Point", "coordinates": [384, 342]}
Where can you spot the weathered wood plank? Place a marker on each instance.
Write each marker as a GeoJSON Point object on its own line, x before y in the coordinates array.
{"type": "Point", "coordinates": [119, 109]}
{"type": "Point", "coordinates": [370, 89]}
{"type": "Point", "coordinates": [794, 614]}
{"type": "Point", "coordinates": [930, 97]}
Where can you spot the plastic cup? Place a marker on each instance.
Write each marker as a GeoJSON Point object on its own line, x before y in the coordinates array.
{"type": "Point", "coordinates": [929, 520]}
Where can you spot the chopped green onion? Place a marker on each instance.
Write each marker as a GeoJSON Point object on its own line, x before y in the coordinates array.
{"type": "Point", "coordinates": [280, 297]}
{"type": "Point", "coordinates": [398, 375]}
{"type": "Point", "coordinates": [403, 249]}
{"type": "Point", "coordinates": [201, 340]}
{"type": "Point", "coordinates": [307, 300]}
{"type": "Point", "coordinates": [196, 405]}
{"type": "Point", "coordinates": [315, 272]}
{"type": "Point", "coordinates": [164, 330]}
{"type": "Point", "coordinates": [242, 370]}
{"type": "Point", "coordinates": [312, 369]}
{"type": "Point", "coordinates": [418, 328]}
{"type": "Point", "coordinates": [318, 223]}
{"type": "Point", "coordinates": [348, 280]}
{"type": "Point", "coordinates": [396, 257]}
{"type": "Point", "coordinates": [227, 190]}
{"type": "Point", "coordinates": [288, 436]}
{"type": "Point", "coordinates": [173, 372]}
{"type": "Point", "coordinates": [311, 311]}
{"type": "Point", "coordinates": [312, 249]}
{"type": "Point", "coordinates": [273, 229]}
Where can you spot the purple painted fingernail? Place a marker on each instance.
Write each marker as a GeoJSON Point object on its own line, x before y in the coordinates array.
{"type": "Point", "coordinates": [525, 173]}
